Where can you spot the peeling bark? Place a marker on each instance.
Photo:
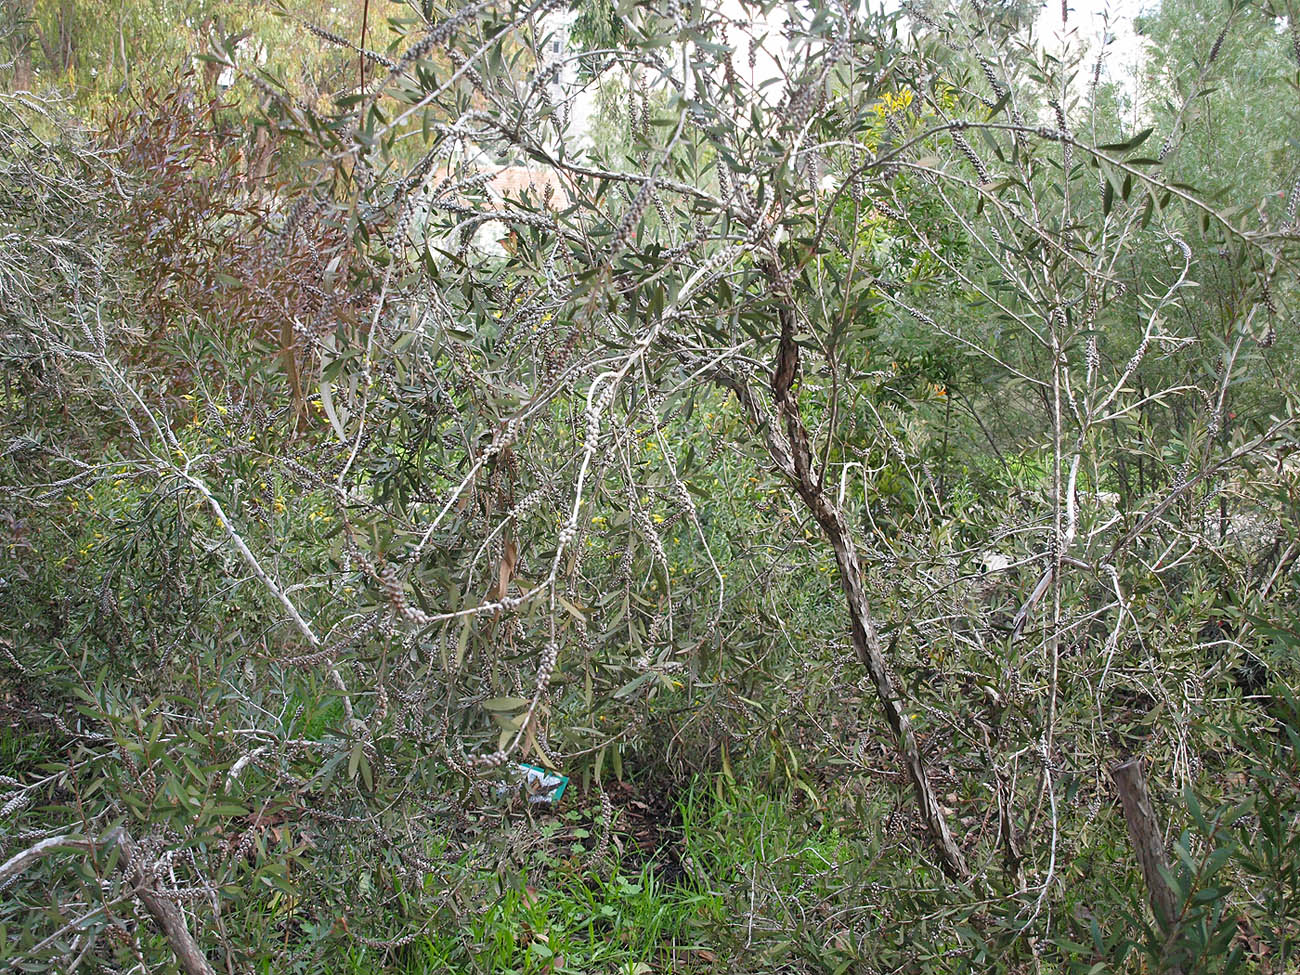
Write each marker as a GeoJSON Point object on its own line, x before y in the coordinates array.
{"type": "Point", "coordinates": [165, 912]}
{"type": "Point", "coordinates": [1148, 843]}
{"type": "Point", "coordinates": [866, 637]}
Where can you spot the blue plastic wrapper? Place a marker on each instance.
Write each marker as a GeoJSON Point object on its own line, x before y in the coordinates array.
{"type": "Point", "coordinates": [539, 785]}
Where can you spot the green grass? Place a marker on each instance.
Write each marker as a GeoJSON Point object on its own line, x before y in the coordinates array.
{"type": "Point", "coordinates": [569, 922]}
{"type": "Point", "coordinates": [747, 852]}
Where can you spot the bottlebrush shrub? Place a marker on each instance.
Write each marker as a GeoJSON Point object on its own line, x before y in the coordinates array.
{"type": "Point", "coordinates": [631, 482]}
{"type": "Point", "coordinates": [551, 437]}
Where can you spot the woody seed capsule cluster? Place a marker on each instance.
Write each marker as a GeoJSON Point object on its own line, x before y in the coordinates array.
{"type": "Point", "coordinates": [491, 760]}
{"type": "Point", "coordinates": [801, 105]}
{"type": "Point", "coordinates": [1064, 130]}
{"type": "Point", "coordinates": [396, 596]}
{"type": "Point", "coordinates": [627, 226]}
{"type": "Point", "coordinates": [372, 56]}
{"type": "Point", "coordinates": [1266, 296]}
{"type": "Point", "coordinates": [550, 655]}
{"type": "Point", "coordinates": [1218, 44]}
{"type": "Point", "coordinates": [15, 804]}
{"type": "Point", "coordinates": [964, 147]}
{"type": "Point", "coordinates": [598, 408]}
{"type": "Point", "coordinates": [889, 211]}
{"type": "Point", "coordinates": [998, 88]}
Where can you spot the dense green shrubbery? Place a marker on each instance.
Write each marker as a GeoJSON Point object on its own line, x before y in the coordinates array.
{"type": "Point", "coordinates": [320, 517]}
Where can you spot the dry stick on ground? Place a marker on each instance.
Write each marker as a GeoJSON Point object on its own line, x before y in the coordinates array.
{"type": "Point", "coordinates": [1148, 843]}
{"type": "Point", "coordinates": [866, 638]}
{"type": "Point", "coordinates": [165, 911]}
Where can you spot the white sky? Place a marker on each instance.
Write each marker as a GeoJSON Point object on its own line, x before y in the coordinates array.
{"type": "Point", "coordinates": [1088, 20]}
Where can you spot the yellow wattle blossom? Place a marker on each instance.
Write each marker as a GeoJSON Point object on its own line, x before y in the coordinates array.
{"type": "Point", "coordinates": [891, 102]}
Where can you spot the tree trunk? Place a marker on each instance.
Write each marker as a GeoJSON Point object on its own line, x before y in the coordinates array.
{"type": "Point", "coordinates": [1148, 843]}
{"type": "Point", "coordinates": [165, 911]}
{"type": "Point", "coordinates": [866, 638]}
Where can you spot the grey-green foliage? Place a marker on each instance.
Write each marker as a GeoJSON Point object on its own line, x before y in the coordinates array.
{"type": "Point", "coordinates": [880, 337]}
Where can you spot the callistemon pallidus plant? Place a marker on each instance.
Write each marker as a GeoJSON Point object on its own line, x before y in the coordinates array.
{"type": "Point", "coordinates": [858, 444]}
{"type": "Point", "coordinates": [619, 318]}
